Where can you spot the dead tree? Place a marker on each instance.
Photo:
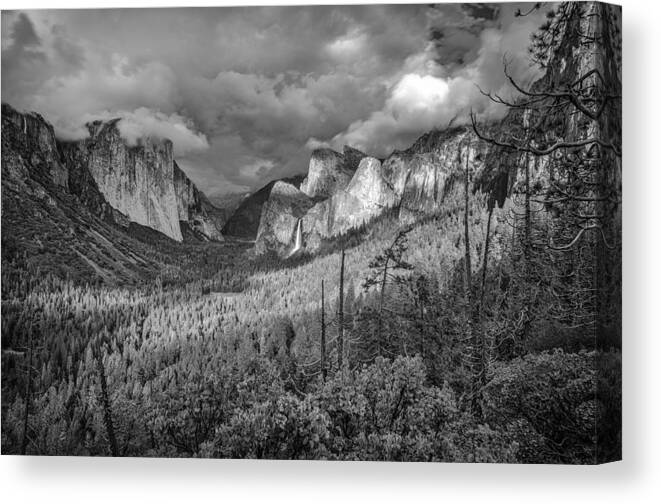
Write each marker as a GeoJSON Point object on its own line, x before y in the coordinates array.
{"type": "Point", "coordinates": [323, 333]}
{"type": "Point", "coordinates": [571, 120]}
{"type": "Point", "coordinates": [468, 281]}
{"type": "Point", "coordinates": [105, 402]}
{"type": "Point", "coordinates": [477, 351]}
{"type": "Point", "coordinates": [28, 392]}
{"type": "Point", "coordinates": [485, 259]}
{"type": "Point", "coordinates": [386, 268]}
{"type": "Point", "coordinates": [422, 298]}
{"type": "Point", "coordinates": [340, 317]}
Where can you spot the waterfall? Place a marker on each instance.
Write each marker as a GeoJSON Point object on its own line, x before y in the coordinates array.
{"type": "Point", "coordinates": [298, 243]}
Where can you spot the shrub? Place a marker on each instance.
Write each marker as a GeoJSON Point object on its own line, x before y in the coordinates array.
{"type": "Point", "coordinates": [549, 404]}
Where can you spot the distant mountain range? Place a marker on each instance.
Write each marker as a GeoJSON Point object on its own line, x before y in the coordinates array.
{"type": "Point", "coordinates": [121, 184]}
{"type": "Point", "coordinates": [110, 184]}
{"type": "Point", "coordinates": [117, 182]}
{"type": "Point", "coordinates": [337, 196]}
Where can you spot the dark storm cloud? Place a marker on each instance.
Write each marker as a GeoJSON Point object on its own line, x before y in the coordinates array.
{"type": "Point", "coordinates": [481, 10]}
{"type": "Point", "coordinates": [455, 34]}
{"type": "Point", "coordinates": [23, 46]}
{"type": "Point", "coordinates": [23, 33]}
{"type": "Point", "coordinates": [243, 91]}
{"type": "Point", "coordinates": [440, 84]}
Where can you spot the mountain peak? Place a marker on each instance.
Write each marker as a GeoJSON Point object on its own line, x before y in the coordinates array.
{"type": "Point", "coordinates": [329, 171]}
{"type": "Point", "coordinates": [110, 130]}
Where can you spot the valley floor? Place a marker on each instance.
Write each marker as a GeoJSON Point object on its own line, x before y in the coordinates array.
{"type": "Point", "coordinates": [222, 357]}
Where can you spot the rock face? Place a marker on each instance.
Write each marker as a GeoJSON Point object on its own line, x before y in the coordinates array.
{"type": "Point", "coordinates": [117, 182]}
{"type": "Point", "coordinates": [81, 183]}
{"type": "Point", "coordinates": [194, 209]}
{"type": "Point", "coordinates": [422, 174]}
{"type": "Point", "coordinates": [53, 215]}
{"type": "Point", "coordinates": [138, 181]}
{"type": "Point", "coordinates": [244, 222]}
{"type": "Point", "coordinates": [369, 187]}
{"type": "Point", "coordinates": [330, 171]}
{"type": "Point", "coordinates": [366, 196]}
{"type": "Point", "coordinates": [35, 155]}
{"type": "Point", "coordinates": [414, 182]}
{"type": "Point", "coordinates": [281, 213]}
{"type": "Point", "coordinates": [31, 134]}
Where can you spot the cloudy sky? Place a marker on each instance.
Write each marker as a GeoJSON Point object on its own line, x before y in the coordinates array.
{"type": "Point", "coordinates": [246, 93]}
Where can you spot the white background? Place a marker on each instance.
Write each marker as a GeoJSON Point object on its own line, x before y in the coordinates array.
{"type": "Point", "coordinates": [636, 479]}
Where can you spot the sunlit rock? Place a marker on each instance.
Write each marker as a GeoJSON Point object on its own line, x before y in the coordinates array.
{"type": "Point", "coordinates": [135, 180]}
{"type": "Point", "coordinates": [280, 217]}
{"type": "Point", "coordinates": [327, 173]}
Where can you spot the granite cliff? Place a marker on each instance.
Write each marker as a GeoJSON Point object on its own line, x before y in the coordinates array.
{"type": "Point", "coordinates": [117, 182]}
{"type": "Point", "coordinates": [195, 211]}
{"type": "Point", "coordinates": [330, 171]}
{"type": "Point", "coordinates": [279, 219]}
{"type": "Point", "coordinates": [54, 218]}
{"type": "Point", "coordinates": [31, 136]}
{"type": "Point", "coordinates": [244, 221]}
{"type": "Point", "coordinates": [414, 182]}
{"type": "Point", "coordinates": [137, 181]}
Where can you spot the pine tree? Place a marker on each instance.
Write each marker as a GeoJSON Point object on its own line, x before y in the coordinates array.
{"type": "Point", "coordinates": [323, 333]}
{"type": "Point", "coordinates": [340, 317]}
{"type": "Point", "coordinates": [569, 122]}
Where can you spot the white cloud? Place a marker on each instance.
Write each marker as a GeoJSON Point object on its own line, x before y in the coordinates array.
{"type": "Point", "coordinates": [139, 123]}
{"type": "Point", "coordinates": [427, 95]}
{"type": "Point", "coordinates": [348, 47]}
{"type": "Point", "coordinates": [143, 122]}
{"type": "Point", "coordinates": [417, 94]}
{"type": "Point", "coordinates": [315, 143]}
{"type": "Point", "coordinates": [258, 83]}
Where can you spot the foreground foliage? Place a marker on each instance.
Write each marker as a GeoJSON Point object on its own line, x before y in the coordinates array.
{"type": "Point", "coordinates": [192, 371]}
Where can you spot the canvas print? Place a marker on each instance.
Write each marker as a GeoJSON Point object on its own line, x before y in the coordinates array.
{"type": "Point", "coordinates": [366, 232]}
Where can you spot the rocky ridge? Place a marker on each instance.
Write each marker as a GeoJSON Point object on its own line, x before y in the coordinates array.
{"type": "Point", "coordinates": [138, 181]}
{"type": "Point", "coordinates": [31, 135]}
{"type": "Point", "coordinates": [414, 181]}
{"type": "Point", "coordinates": [244, 221]}
{"type": "Point", "coordinates": [330, 171]}
{"type": "Point", "coordinates": [118, 182]}
{"type": "Point", "coordinates": [285, 206]}
{"type": "Point", "coordinates": [54, 218]}
{"type": "Point", "coordinates": [194, 208]}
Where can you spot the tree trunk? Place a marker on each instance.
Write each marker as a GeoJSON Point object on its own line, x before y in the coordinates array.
{"type": "Point", "coordinates": [107, 412]}
{"type": "Point", "coordinates": [527, 248]}
{"type": "Point", "coordinates": [528, 220]}
{"type": "Point", "coordinates": [28, 393]}
{"type": "Point", "coordinates": [484, 261]}
{"type": "Point", "coordinates": [476, 354]}
{"type": "Point", "coordinates": [340, 317]}
{"type": "Point", "coordinates": [422, 328]}
{"type": "Point", "coordinates": [323, 334]}
{"type": "Point", "coordinates": [468, 281]}
{"type": "Point", "coordinates": [379, 332]}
